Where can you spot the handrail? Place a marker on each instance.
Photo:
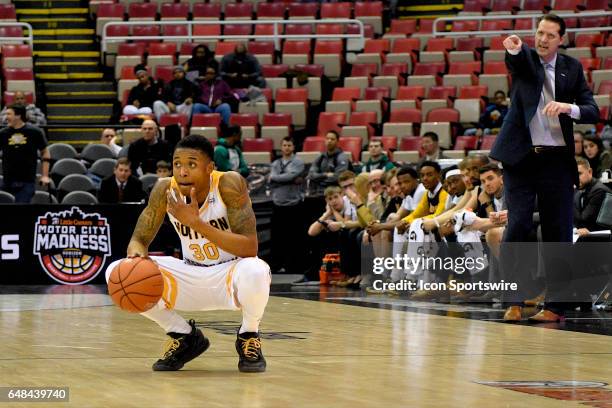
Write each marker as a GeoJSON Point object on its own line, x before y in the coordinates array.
{"type": "Point", "coordinates": [533, 18]}
{"type": "Point", "coordinates": [29, 38]}
{"type": "Point", "coordinates": [276, 36]}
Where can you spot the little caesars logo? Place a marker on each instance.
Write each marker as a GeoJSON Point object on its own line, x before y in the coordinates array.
{"type": "Point", "coordinates": [71, 245]}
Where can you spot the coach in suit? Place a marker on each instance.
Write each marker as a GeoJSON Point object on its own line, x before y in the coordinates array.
{"type": "Point", "coordinates": [121, 187]}
{"type": "Point", "coordinates": [536, 148]}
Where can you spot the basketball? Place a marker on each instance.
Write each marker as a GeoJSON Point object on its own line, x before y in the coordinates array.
{"type": "Point", "coordinates": [136, 285]}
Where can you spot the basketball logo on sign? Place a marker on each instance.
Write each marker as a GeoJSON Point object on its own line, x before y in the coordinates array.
{"type": "Point", "coordinates": [71, 245]}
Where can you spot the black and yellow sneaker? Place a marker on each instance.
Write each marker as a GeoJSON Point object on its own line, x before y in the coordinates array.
{"type": "Point", "coordinates": [182, 348]}
{"type": "Point", "coordinates": [248, 346]}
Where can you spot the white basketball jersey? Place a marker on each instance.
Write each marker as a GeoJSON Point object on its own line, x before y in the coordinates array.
{"type": "Point", "coordinates": [198, 250]}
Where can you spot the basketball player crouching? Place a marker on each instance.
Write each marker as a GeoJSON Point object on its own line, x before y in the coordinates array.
{"type": "Point", "coordinates": [212, 213]}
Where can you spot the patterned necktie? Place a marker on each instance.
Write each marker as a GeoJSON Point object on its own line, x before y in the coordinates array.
{"type": "Point", "coordinates": [549, 95]}
{"type": "Point", "coordinates": [120, 193]}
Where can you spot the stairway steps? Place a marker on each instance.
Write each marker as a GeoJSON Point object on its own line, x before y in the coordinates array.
{"type": "Point", "coordinates": [69, 109]}
{"type": "Point", "coordinates": [68, 54]}
{"type": "Point", "coordinates": [56, 11]}
{"type": "Point", "coordinates": [78, 137]}
{"type": "Point", "coordinates": [80, 86]}
{"type": "Point", "coordinates": [64, 23]}
{"type": "Point", "coordinates": [50, 4]}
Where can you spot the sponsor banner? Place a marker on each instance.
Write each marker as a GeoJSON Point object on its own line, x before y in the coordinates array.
{"type": "Point", "coordinates": [66, 244]}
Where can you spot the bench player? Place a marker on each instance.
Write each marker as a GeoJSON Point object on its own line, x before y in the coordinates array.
{"type": "Point", "coordinates": [212, 213]}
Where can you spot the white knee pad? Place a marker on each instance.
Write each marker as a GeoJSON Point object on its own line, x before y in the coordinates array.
{"type": "Point", "coordinates": [252, 271]}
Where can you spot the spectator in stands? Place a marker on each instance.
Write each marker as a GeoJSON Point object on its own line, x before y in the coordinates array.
{"type": "Point", "coordinates": [588, 199]}
{"type": "Point", "coordinates": [431, 147]}
{"type": "Point", "coordinates": [228, 155]}
{"type": "Point", "coordinates": [578, 141]}
{"type": "Point", "coordinates": [286, 178]}
{"type": "Point", "coordinates": [434, 202]}
{"type": "Point", "coordinates": [201, 59]}
{"type": "Point", "coordinates": [339, 219]}
{"type": "Point", "coordinates": [142, 96]}
{"type": "Point", "coordinates": [164, 169]}
{"type": "Point", "coordinates": [214, 93]}
{"type": "Point", "coordinates": [34, 115]}
{"type": "Point", "coordinates": [109, 138]}
{"type": "Point", "coordinates": [325, 170]}
{"type": "Point", "coordinates": [178, 95]}
{"type": "Point", "coordinates": [20, 144]}
{"type": "Point", "coordinates": [378, 159]}
{"type": "Point", "coordinates": [493, 116]}
{"type": "Point", "coordinates": [599, 158]}
{"type": "Point", "coordinates": [145, 152]}
{"type": "Point", "coordinates": [121, 186]}
{"type": "Point", "coordinates": [241, 69]}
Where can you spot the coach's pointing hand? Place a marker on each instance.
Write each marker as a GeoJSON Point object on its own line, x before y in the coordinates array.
{"type": "Point", "coordinates": [513, 43]}
{"type": "Point", "coordinates": [187, 214]}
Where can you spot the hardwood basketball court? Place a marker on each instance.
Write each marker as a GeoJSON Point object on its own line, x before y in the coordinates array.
{"type": "Point", "coordinates": [390, 353]}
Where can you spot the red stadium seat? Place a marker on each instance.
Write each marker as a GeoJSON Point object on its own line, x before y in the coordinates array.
{"type": "Point", "coordinates": [244, 119]}
{"type": "Point", "coordinates": [16, 51]}
{"type": "Point", "coordinates": [18, 74]}
{"type": "Point", "coordinates": [368, 30]}
{"type": "Point", "coordinates": [274, 70]}
{"type": "Point", "coordinates": [127, 72]}
{"type": "Point", "coordinates": [364, 69]}
{"type": "Point", "coordinates": [466, 143]}
{"type": "Point", "coordinates": [394, 69]}
{"type": "Point", "coordinates": [535, 5]}
{"type": "Point", "coordinates": [414, 92]}
{"type": "Point", "coordinates": [439, 44]}
{"type": "Point", "coordinates": [314, 143]}
{"type": "Point", "coordinates": [336, 10]}
{"type": "Point", "coordinates": [429, 68]}
{"type": "Point", "coordinates": [464, 68]}
{"type": "Point", "coordinates": [7, 12]}
{"type": "Point", "coordinates": [364, 119]}
{"type": "Point", "coordinates": [405, 45]}
{"type": "Point", "coordinates": [331, 121]}
{"type": "Point", "coordinates": [607, 63]}
{"type": "Point", "coordinates": [605, 87]}
{"type": "Point", "coordinates": [264, 29]}
{"type": "Point", "coordinates": [298, 29]}
{"type": "Point", "coordinates": [590, 63]}
{"type": "Point", "coordinates": [523, 24]}
{"type": "Point", "coordinates": [379, 46]}
{"type": "Point", "coordinates": [238, 11]}
{"type": "Point", "coordinates": [329, 29]}
{"type": "Point", "coordinates": [11, 32]}
{"type": "Point", "coordinates": [271, 11]}
{"type": "Point", "coordinates": [495, 67]}
{"type": "Point", "coordinates": [172, 119]}
{"type": "Point", "coordinates": [131, 49]}
{"type": "Point", "coordinates": [117, 31]}
{"type": "Point", "coordinates": [346, 94]}
{"type": "Point", "coordinates": [208, 29]}
{"type": "Point", "coordinates": [465, 25]}
{"type": "Point", "coordinates": [328, 47]}
{"type": "Point", "coordinates": [206, 10]}
{"type": "Point", "coordinates": [407, 27]}
{"type": "Point", "coordinates": [443, 115]}
{"type": "Point", "coordinates": [568, 4]}
{"type": "Point", "coordinates": [497, 43]}
{"type": "Point", "coordinates": [593, 5]}
{"type": "Point", "coordinates": [164, 72]}
{"type": "Point", "coordinates": [303, 10]}
{"type": "Point", "coordinates": [368, 9]}
{"type": "Point", "coordinates": [106, 10]}
{"type": "Point", "coordinates": [277, 119]}
{"type": "Point", "coordinates": [237, 29]}
{"type": "Point", "coordinates": [496, 25]}
{"type": "Point", "coordinates": [468, 44]}
{"type": "Point", "coordinates": [406, 115]}
{"type": "Point", "coordinates": [589, 40]}
{"type": "Point", "coordinates": [442, 92]}
{"type": "Point", "coordinates": [142, 10]}
{"type": "Point", "coordinates": [206, 120]}
{"type": "Point", "coordinates": [506, 5]}
{"type": "Point", "coordinates": [476, 5]}
{"type": "Point", "coordinates": [148, 31]}
{"type": "Point", "coordinates": [258, 145]}
{"type": "Point", "coordinates": [175, 30]}
{"type": "Point", "coordinates": [352, 145]}
{"type": "Point", "coordinates": [487, 142]}
{"type": "Point", "coordinates": [593, 21]}
{"type": "Point", "coordinates": [410, 143]}
{"type": "Point", "coordinates": [174, 11]}
{"type": "Point", "coordinates": [375, 93]}
{"type": "Point", "coordinates": [315, 70]}
{"type": "Point", "coordinates": [165, 48]}
{"type": "Point", "coordinates": [225, 47]}
{"type": "Point", "coordinates": [292, 95]}
{"type": "Point", "coordinates": [473, 91]}
{"type": "Point", "coordinates": [297, 47]}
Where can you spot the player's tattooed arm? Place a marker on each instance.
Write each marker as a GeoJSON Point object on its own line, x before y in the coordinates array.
{"type": "Point", "coordinates": [150, 220]}
{"type": "Point", "coordinates": [242, 240]}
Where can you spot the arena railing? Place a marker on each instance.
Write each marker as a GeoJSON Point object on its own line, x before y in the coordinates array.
{"type": "Point", "coordinates": [533, 17]}
{"type": "Point", "coordinates": [14, 40]}
{"type": "Point", "coordinates": [356, 41]}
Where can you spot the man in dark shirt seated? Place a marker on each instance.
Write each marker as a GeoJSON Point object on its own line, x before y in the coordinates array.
{"type": "Point", "coordinates": [241, 69]}
{"type": "Point", "coordinates": [142, 96]}
{"type": "Point", "coordinates": [145, 152]}
{"type": "Point", "coordinates": [178, 95]}
{"type": "Point", "coordinates": [588, 199]}
{"type": "Point", "coordinates": [121, 187]}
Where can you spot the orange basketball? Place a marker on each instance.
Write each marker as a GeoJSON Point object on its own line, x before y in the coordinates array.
{"type": "Point", "coordinates": [136, 284]}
